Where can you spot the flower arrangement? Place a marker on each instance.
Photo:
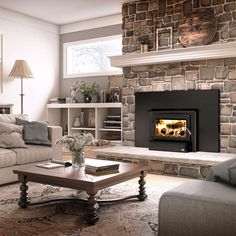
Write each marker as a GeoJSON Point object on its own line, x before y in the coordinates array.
{"type": "Point", "coordinates": [86, 89]}
{"type": "Point", "coordinates": [75, 144]}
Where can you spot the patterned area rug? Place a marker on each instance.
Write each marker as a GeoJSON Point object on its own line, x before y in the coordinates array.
{"type": "Point", "coordinates": [66, 218]}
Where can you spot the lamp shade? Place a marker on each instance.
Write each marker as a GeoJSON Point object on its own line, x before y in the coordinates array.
{"type": "Point", "coordinates": [21, 69]}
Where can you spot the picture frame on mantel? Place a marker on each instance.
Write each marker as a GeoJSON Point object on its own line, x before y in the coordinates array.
{"type": "Point", "coordinates": [164, 38]}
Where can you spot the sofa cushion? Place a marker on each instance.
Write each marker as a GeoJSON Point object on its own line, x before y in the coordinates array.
{"type": "Point", "coordinates": [34, 132]}
{"type": "Point", "coordinates": [198, 208]}
{"type": "Point", "coordinates": [33, 153]}
{"type": "Point", "coordinates": [7, 158]}
{"type": "Point", "coordinates": [9, 118]}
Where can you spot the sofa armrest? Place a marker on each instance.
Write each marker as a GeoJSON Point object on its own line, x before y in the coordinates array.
{"type": "Point", "coordinates": [55, 133]}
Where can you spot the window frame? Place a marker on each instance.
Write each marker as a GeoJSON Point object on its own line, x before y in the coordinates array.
{"type": "Point", "coordinates": [89, 74]}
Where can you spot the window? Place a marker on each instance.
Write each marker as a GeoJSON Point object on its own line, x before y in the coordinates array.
{"type": "Point", "coordinates": [90, 57]}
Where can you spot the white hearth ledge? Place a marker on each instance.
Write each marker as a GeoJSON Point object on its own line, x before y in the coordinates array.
{"type": "Point", "coordinates": [139, 153]}
{"type": "Point", "coordinates": [213, 51]}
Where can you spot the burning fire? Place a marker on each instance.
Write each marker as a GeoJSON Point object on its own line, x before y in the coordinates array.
{"type": "Point", "coordinates": [170, 128]}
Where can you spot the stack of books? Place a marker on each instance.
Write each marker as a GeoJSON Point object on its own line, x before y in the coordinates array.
{"type": "Point", "coordinates": [57, 100]}
{"type": "Point", "coordinates": [100, 167]}
{"type": "Point", "coordinates": [112, 122]}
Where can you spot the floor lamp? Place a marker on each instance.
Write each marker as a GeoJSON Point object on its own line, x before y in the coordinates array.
{"type": "Point", "coordinates": [21, 70]}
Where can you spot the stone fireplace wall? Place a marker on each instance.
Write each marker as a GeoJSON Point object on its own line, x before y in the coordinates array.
{"type": "Point", "coordinates": [138, 25]}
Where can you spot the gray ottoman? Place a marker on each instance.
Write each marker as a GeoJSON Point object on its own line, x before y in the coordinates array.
{"type": "Point", "coordinates": [198, 208]}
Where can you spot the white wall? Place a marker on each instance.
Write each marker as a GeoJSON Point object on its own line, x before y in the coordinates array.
{"type": "Point", "coordinates": [37, 42]}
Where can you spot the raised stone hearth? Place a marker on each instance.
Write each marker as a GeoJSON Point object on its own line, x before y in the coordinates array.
{"type": "Point", "coordinates": [193, 165]}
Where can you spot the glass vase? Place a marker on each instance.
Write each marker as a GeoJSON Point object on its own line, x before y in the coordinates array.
{"type": "Point", "coordinates": [78, 159]}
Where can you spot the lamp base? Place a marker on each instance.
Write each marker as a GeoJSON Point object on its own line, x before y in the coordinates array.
{"type": "Point", "coordinates": [21, 99]}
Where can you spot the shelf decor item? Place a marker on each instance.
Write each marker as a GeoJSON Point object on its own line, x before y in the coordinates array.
{"type": "Point", "coordinates": [77, 122]}
{"type": "Point", "coordinates": [87, 90]}
{"type": "Point", "coordinates": [82, 119]}
{"type": "Point", "coordinates": [73, 94]}
{"type": "Point", "coordinates": [198, 29]}
{"type": "Point", "coordinates": [76, 144]}
{"type": "Point", "coordinates": [91, 118]}
{"type": "Point", "coordinates": [164, 38]}
{"type": "Point", "coordinates": [144, 47]}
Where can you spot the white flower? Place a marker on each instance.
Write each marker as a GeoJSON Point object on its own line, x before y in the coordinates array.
{"type": "Point", "coordinates": [76, 142]}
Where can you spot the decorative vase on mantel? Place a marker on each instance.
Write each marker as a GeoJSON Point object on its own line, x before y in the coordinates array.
{"type": "Point", "coordinates": [78, 159]}
{"type": "Point", "coordinates": [87, 98]}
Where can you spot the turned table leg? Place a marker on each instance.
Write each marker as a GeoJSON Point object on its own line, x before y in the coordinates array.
{"type": "Point", "coordinates": [142, 193]}
{"type": "Point", "coordinates": [92, 216]}
{"type": "Point", "coordinates": [23, 194]}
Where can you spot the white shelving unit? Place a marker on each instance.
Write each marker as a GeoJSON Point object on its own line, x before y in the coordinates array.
{"type": "Point", "coordinates": [65, 114]}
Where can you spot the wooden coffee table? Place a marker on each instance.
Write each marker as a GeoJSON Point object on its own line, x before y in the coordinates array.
{"type": "Point", "coordinates": [76, 178]}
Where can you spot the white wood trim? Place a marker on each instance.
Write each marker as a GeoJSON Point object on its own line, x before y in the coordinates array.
{"type": "Point", "coordinates": [91, 24]}
{"type": "Point", "coordinates": [82, 128]}
{"type": "Point", "coordinates": [113, 130]}
{"type": "Point", "coordinates": [215, 51]}
{"type": "Point", "coordinates": [85, 105]}
{"type": "Point", "coordinates": [84, 75]}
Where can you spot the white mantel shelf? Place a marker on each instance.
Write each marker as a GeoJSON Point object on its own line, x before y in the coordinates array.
{"type": "Point", "coordinates": [215, 51]}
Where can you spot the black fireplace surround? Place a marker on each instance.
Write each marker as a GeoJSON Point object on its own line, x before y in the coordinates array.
{"type": "Point", "coordinates": [181, 121]}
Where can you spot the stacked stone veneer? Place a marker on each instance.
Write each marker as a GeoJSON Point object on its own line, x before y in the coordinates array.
{"type": "Point", "coordinates": [205, 74]}
{"type": "Point", "coordinates": [140, 18]}
{"type": "Point", "coordinates": [196, 171]}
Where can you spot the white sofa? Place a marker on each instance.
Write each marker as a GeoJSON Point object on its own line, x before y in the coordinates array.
{"type": "Point", "coordinates": [15, 158]}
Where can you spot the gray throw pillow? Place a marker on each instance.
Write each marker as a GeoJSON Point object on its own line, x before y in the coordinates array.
{"type": "Point", "coordinates": [222, 172]}
{"type": "Point", "coordinates": [34, 132]}
{"type": "Point", "coordinates": [12, 140]}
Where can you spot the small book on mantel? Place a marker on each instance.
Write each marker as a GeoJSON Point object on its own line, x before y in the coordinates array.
{"type": "Point", "coordinates": [100, 165]}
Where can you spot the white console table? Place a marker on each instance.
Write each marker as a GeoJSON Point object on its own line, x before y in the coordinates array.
{"type": "Point", "coordinates": [66, 113]}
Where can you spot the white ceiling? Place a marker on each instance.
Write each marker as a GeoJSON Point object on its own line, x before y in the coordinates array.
{"type": "Point", "coordinates": [64, 11]}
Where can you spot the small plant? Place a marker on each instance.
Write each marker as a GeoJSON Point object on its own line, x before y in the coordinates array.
{"type": "Point", "coordinates": [86, 89]}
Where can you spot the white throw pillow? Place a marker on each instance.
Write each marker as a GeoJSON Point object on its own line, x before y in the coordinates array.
{"type": "Point", "coordinates": [6, 128]}
{"type": "Point", "coordinates": [12, 140]}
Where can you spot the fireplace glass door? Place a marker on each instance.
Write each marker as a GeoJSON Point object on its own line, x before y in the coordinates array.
{"type": "Point", "coordinates": [173, 130]}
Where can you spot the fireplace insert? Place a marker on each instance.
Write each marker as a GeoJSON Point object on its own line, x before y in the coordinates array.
{"type": "Point", "coordinates": [198, 110]}
{"type": "Point", "coordinates": [173, 130]}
